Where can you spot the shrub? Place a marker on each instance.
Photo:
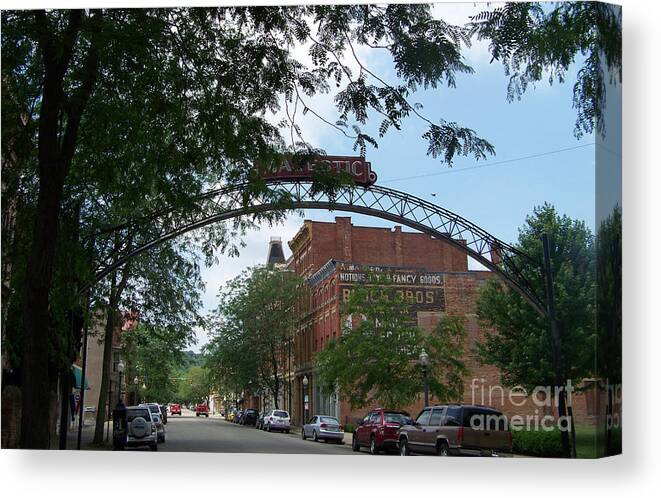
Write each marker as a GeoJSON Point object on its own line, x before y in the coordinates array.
{"type": "Point", "coordinates": [537, 443]}
{"type": "Point", "coordinates": [349, 427]}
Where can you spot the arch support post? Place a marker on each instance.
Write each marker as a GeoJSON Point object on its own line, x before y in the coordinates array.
{"type": "Point", "coordinates": [556, 348]}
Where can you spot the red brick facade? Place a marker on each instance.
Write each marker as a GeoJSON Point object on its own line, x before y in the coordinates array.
{"type": "Point", "coordinates": [322, 251]}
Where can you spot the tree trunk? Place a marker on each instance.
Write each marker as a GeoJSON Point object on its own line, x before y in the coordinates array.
{"type": "Point", "coordinates": [56, 147]}
{"type": "Point", "coordinates": [107, 364]}
{"type": "Point", "coordinates": [34, 365]}
{"type": "Point", "coordinates": [116, 290]}
{"type": "Point", "coordinates": [276, 380]}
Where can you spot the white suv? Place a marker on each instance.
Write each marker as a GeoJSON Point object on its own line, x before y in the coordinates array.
{"type": "Point", "coordinates": [277, 420]}
{"type": "Point", "coordinates": [141, 429]}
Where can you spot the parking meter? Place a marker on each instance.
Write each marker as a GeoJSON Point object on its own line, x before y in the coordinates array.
{"type": "Point", "coordinates": [119, 426]}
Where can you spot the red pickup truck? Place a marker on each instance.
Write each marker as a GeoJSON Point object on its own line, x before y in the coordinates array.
{"type": "Point", "coordinates": [201, 409]}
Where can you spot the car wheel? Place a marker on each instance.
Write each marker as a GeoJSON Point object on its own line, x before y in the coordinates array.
{"type": "Point", "coordinates": [442, 449]}
{"type": "Point", "coordinates": [354, 443]}
{"type": "Point", "coordinates": [153, 447]}
{"type": "Point", "coordinates": [303, 436]}
{"type": "Point", "coordinates": [404, 447]}
{"type": "Point", "coordinates": [287, 431]}
{"type": "Point", "coordinates": [197, 414]}
{"type": "Point", "coordinates": [374, 450]}
{"type": "Point", "coordinates": [315, 438]}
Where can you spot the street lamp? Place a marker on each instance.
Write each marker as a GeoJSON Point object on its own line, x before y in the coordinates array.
{"type": "Point", "coordinates": [120, 369]}
{"type": "Point", "coordinates": [305, 399]}
{"type": "Point", "coordinates": [119, 420]}
{"type": "Point", "coordinates": [424, 363]}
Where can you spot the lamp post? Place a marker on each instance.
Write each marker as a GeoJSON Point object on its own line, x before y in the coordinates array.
{"type": "Point", "coordinates": [305, 399]}
{"type": "Point", "coordinates": [120, 369]}
{"type": "Point", "coordinates": [424, 363]}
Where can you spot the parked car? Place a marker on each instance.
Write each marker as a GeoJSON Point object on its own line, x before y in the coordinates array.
{"type": "Point", "coordinates": [249, 417]}
{"type": "Point", "coordinates": [155, 410]}
{"type": "Point", "coordinates": [160, 427]}
{"type": "Point", "coordinates": [164, 414]}
{"type": "Point", "coordinates": [175, 409]}
{"type": "Point", "coordinates": [238, 417]}
{"type": "Point", "coordinates": [323, 427]}
{"type": "Point", "coordinates": [457, 430]}
{"type": "Point", "coordinates": [277, 420]}
{"type": "Point", "coordinates": [260, 421]}
{"type": "Point", "coordinates": [379, 430]}
{"type": "Point", "coordinates": [201, 409]}
{"type": "Point", "coordinates": [141, 428]}
{"type": "Point", "coordinates": [153, 407]}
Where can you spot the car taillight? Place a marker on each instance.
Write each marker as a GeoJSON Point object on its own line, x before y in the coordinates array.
{"type": "Point", "coordinates": [460, 435]}
{"type": "Point", "coordinates": [323, 425]}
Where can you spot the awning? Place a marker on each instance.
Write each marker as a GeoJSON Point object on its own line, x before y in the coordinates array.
{"type": "Point", "coordinates": [78, 377]}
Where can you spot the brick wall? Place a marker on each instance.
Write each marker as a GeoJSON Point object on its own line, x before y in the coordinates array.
{"type": "Point", "coordinates": [385, 247]}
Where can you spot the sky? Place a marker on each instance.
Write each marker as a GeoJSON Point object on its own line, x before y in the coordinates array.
{"type": "Point", "coordinates": [538, 159]}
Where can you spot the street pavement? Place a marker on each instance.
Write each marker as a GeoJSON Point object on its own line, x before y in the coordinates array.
{"type": "Point", "coordinates": [214, 434]}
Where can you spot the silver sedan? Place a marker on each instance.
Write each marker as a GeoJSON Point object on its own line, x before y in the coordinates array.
{"type": "Point", "coordinates": [323, 427]}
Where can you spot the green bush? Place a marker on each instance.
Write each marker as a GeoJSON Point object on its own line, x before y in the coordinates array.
{"type": "Point", "coordinates": [537, 443]}
{"type": "Point", "coordinates": [349, 427]}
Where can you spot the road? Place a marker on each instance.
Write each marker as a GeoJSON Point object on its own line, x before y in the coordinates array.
{"type": "Point", "coordinates": [201, 434]}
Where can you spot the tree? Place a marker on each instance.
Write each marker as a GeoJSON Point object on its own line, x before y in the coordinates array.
{"type": "Point", "coordinates": [253, 330]}
{"type": "Point", "coordinates": [376, 357]}
{"type": "Point", "coordinates": [609, 316]}
{"type": "Point", "coordinates": [520, 342]}
{"type": "Point", "coordinates": [535, 41]}
{"type": "Point", "coordinates": [196, 385]}
{"type": "Point", "coordinates": [163, 288]}
{"type": "Point", "coordinates": [154, 355]}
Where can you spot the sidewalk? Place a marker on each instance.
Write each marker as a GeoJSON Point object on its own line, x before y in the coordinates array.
{"type": "Point", "coordinates": [87, 437]}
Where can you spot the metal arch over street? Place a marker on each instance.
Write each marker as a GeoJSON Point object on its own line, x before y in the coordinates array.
{"type": "Point", "coordinates": [399, 207]}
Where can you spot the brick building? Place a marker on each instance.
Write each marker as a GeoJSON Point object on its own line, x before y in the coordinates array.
{"type": "Point", "coordinates": [432, 273]}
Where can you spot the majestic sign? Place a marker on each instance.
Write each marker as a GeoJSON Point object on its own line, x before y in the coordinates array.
{"type": "Point", "coordinates": [358, 168]}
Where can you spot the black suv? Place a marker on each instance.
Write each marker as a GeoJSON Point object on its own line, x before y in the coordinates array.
{"type": "Point", "coordinates": [164, 413]}
{"type": "Point", "coordinates": [249, 417]}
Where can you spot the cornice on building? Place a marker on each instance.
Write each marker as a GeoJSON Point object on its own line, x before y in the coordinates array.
{"type": "Point", "coordinates": [303, 236]}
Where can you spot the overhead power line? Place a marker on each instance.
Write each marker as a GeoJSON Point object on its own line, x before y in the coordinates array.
{"type": "Point", "coordinates": [479, 166]}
